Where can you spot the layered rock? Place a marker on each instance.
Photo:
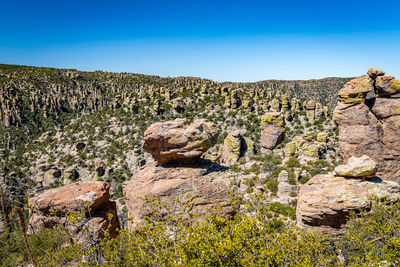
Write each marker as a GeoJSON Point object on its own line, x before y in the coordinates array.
{"type": "Point", "coordinates": [179, 140]}
{"type": "Point", "coordinates": [50, 210]}
{"type": "Point", "coordinates": [371, 126]}
{"type": "Point", "coordinates": [285, 189]}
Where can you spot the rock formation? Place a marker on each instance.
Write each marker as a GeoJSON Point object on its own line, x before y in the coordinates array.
{"type": "Point", "coordinates": [368, 125]}
{"type": "Point", "coordinates": [234, 147]}
{"type": "Point", "coordinates": [326, 201]}
{"type": "Point", "coordinates": [51, 207]}
{"type": "Point", "coordinates": [271, 136]}
{"type": "Point", "coordinates": [202, 185]}
{"type": "Point", "coordinates": [357, 168]}
{"type": "Point", "coordinates": [179, 140]}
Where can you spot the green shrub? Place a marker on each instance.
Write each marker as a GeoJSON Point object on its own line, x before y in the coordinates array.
{"type": "Point", "coordinates": [283, 209]}
{"type": "Point", "coordinates": [235, 168]}
{"type": "Point", "coordinates": [292, 162]}
{"type": "Point", "coordinates": [273, 186]}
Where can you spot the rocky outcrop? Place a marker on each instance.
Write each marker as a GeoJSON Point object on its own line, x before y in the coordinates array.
{"type": "Point", "coordinates": [325, 201]}
{"type": "Point", "coordinates": [368, 125]}
{"type": "Point", "coordinates": [50, 208]}
{"type": "Point", "coordinates": [179, 140]}
{"type": "Point", "coordinates": [179, 181]}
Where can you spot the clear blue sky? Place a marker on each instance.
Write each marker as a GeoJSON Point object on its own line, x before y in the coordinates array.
{"type": "Point", "coordinates": [221, 40]}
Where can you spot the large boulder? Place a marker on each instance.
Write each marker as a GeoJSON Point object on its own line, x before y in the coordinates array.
{"type": "Point", "coordinates": [179, 140]}
{"type": "Point", "coordinates": [204, 187]}
{"type": "Point", "coordinates": [325, 201]}
{"type": "Point", "coordinates": [71, 197]}
{"type": "Point", "coordinates": [370, 127]}
{"type": "Point", "coordinates": [90, 200]}
{"type": "Point", "coordinates": [362, 167]}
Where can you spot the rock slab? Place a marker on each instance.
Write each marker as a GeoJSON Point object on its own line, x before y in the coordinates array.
{"type": "Point", "coordinates": [362, 167]}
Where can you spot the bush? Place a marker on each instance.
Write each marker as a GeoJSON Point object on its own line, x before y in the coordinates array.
{"type": "Point", "coordinates": [283, 209]}
{"type": "Point", "coordinates": [293, 162]}
{"type": "Point", "coordinates": [273, 186]}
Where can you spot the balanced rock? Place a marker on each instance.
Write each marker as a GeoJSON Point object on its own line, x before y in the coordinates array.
{"type": "Point", "coordinates": [325, 202]}
{"type": "Point", "coordinates": [272, 118]}
{"type": "Point", "coordinates": [355, 90]}
{"type": "Point", "coordinates": [179, 140]}
{"type": "Point", "coordinates": [93, 199]}
{"type": "Point", "coordinates": [362, 167]}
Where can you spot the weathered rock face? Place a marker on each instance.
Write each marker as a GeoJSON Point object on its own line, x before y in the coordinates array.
{"type": "Point", "coordinates": [325, 201]}
{"type": "Point", "coordinates": [203, 186]}
{"type": "Point", "coordinates": [370, 127]}
{"type": "Point", "coordinates": [357, 168]}
{"type": "Point", "coordinates": [271, 136]}
{"type": "Point", "coordinates": [179, 140]}
{"type": "Point", "coordinates": [51, 206]}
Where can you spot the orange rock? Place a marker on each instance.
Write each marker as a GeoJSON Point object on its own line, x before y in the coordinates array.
{"type": "Point", "coordinates": [72, 197]}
